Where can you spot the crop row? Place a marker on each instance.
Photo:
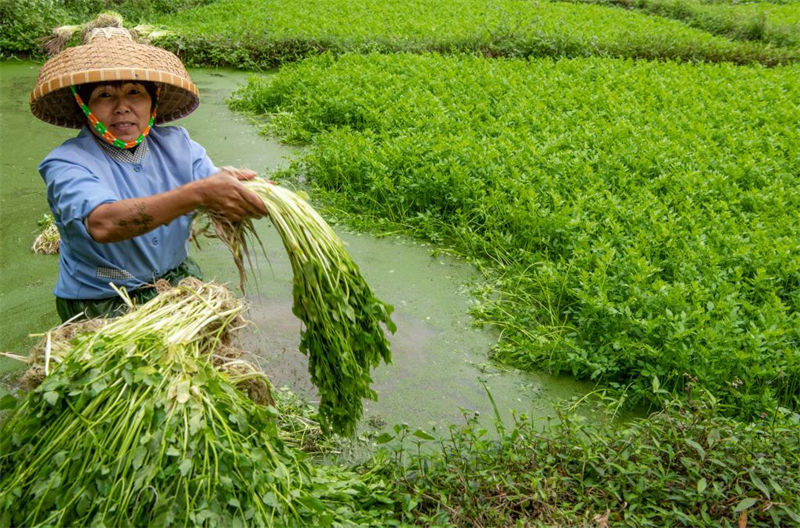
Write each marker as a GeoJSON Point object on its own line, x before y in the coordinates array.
{"type": "Point", "coordinates": [640, 220]}
{"type": "Point", "coordinates": [776, 23]}
{"type": "Point", "coordinates": [260, 33]}
{"type": "Point", "coordinates": [254, 34]}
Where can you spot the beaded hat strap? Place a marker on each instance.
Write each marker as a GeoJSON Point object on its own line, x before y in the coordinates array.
{"type": "Point", "coordinates": [105, 134]}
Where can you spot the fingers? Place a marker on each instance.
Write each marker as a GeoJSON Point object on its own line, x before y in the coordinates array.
{"type": "Point", "coordinates": [258, 203]}
{"type": "Point", "coordinates": [252, 204]}
{"type": "Point", "coordinates": [240, 174]}
{"type": "Point", "coordinates": [232, 199]}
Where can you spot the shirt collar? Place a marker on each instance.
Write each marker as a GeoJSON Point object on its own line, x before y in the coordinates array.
{"type": "Point", "coordinates": [135, 155]}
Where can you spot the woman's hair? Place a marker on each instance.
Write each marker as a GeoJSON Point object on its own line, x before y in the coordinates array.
{"type": "Point", "coordinates": [85, 90]}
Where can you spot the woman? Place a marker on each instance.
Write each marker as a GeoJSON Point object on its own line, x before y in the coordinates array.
{"type": "Point", "coordinates": [122, 192]}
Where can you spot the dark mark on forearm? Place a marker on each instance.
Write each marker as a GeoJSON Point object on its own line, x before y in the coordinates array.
{"type": "Point", "coordinates": [140, 223]}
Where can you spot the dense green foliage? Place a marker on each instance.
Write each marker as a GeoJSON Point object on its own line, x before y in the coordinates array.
{"type": "Point", "coordinates": [637, 220]}
{"type": "Point", "coordinates": [256, 34]}
{"type": "Point", "coordinates": [686, 465]}
{"type": "Point", "coordinates": [22, 22]}
{"type": "Point", "coordinates": [249, 33]}
{"type": "Point", "coordinates": [136, 425]}
{"type": "Point", "coordinates": [777, 23]}
{"type": "Point", "coordinates": [637, 224]}
{"type": "Point", "coordinates": [132, 10]}
{"type": "Point", "coordinates": [25, 22]}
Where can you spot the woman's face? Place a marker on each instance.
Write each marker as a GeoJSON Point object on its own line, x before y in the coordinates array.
{"type": "Point", "coordinates": [123, 108]}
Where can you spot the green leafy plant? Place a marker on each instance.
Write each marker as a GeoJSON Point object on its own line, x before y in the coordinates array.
{"type": "Point", "coordinates": [267, 33]}
{"type": "Point", "coordinates": [633, 219]}
{"type": "Point", "coordinates": [343, 334]}
{"type": "Point", "coordinates": [685, 465]}
{"type": "Point", "coordinates": [134, 425]}
{"type": "Point", "coordinates": [775, 22]}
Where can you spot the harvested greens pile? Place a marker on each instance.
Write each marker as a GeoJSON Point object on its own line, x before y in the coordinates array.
{"type": "Point", "coordinates": [48, 240]}
{"type": "Point", "coordinates": [135, 426]}
{"type": "Point", "coordinates": [342, 337]}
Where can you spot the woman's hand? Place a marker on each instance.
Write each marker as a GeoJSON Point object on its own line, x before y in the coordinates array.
{"type": "Point", "coordinates": [223, 193]}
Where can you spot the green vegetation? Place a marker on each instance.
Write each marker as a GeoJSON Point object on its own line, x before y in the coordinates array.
{"type": "Point", "coordinates": [143, 420]}
{"type": "Point", "coordinates": [687, 465]}
{"type": "Point", "coordinates": [25, 22]}
{"type": "Point", "coordinates": [22, 22]}
{"type": "Point", "coordinates": [777, 23]}
{"type": "Point", "coordinates": [636, 221]}
{"type": "Point", "coordinates": [255, 34]}
{"type": "Point", "coordinates": [343, 321]}
{"type": "Point", "coordinates": [140, 423]}
{"type": "Point", "coordinates": [637, 224]}
{"type": "Point", "coordinates": [261, 33]}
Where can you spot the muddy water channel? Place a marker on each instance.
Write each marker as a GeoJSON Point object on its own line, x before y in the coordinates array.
{"type": "Point", "coordinates": [440, 361]}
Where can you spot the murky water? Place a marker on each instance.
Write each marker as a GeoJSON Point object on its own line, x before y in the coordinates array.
{"type": "Point", "coordinates": [440, 361]}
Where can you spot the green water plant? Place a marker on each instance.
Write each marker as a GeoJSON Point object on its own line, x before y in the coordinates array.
{"type": "Point", "coordinates": [634, 220]}
{"type": "Point", "coordinates": [267, 33]}
{"type": "Point", "coordinates": [343, 321]}
{"type": "Point", "coordinates": [259, 34]}
{"type": "Point", "coordinates": [135, 426]}
{"type": "Point", "coordinates": [776, 22]}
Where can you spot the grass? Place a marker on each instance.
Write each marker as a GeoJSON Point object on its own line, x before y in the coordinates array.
{"type": "Point", "coordinates": [265, 33]}
{"type": "Point", "coordinates": [686, 465]}
{"type": "Point", "coordinates": [637, 221]}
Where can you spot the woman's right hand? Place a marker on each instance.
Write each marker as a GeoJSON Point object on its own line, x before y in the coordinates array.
{"type": "Point", "coordinates": [224, 193]}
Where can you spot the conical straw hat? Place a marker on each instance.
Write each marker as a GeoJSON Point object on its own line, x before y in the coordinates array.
{"type": "Point", "coordinates": [111, 54]}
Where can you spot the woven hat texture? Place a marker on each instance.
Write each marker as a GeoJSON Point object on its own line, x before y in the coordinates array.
{"type": "Point", "coordinates": [111, 54]}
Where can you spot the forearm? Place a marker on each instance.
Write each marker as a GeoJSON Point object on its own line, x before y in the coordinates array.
{"type": "Point", "coordinates": [124, 219]}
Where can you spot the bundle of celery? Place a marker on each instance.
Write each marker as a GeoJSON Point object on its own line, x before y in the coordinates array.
{"type": "Point", "coordinates": [133, 426]}
{"type": "Point", "coordinates": [342, 337]}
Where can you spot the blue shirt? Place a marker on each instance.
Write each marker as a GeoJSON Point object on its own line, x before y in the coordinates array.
{"type": "Point", "coordinates": [80, 176]}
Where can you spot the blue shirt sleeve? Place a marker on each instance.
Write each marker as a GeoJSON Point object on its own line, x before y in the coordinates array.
{"type": "Point", "coordinates": [73, 192]}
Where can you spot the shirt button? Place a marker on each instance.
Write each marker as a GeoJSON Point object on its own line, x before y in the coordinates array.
{"type": "Point", "coordinates": [155, 241]}
{"type": "Point", "coordinates": [137, 168]}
